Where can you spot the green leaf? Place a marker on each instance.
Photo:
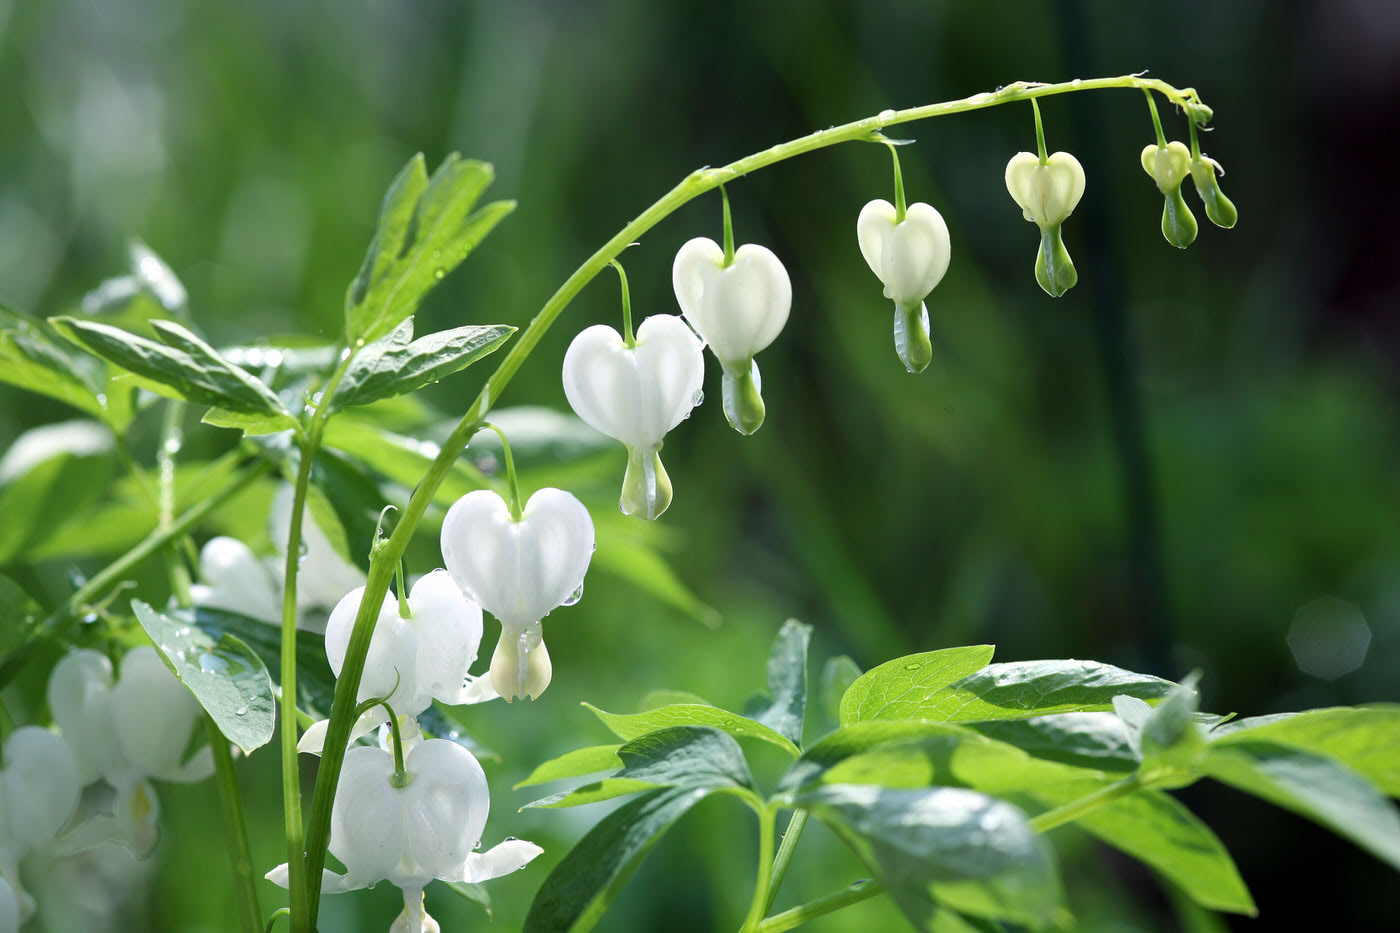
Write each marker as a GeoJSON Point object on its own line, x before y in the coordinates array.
{"type": "Point", "coordinates": [1313, 786]}
{"type": "Point", "coordinates": [227, 678]}
{"type": "Point", "coordinates": [682, 756]}
{"type": "Point", "coordinates": [476, 893]}
{"type": "Point", "coordinates": [315, 680]}
{"type": "Point", "coordinates": [628, 726]}
{"type": "Point", "coordinates": [837, 676]}
{"type": "Point", "coordinates": [899, 689]}
{"type": "Point", "coordinates": [250, 424]}
{"type": "Point", "coordinates": [855, 739]}
{"type": "Point", "coordinates": [787, 683]}
{"type": "Point", "coordinates": [426, 229]}
{"type": "Point", "coordinates": [31, 360]}
{"type": "Point", "coordinates": [577, 893]}
{"type": "Point", "coordinates": [576, 763]}
{"type": "Point", "coordinates": [1366, 739]}
{"type": "Point", "coordinates": [50, 475]}
{"type": "Point", "coordinates": [19, 617]}
{"type": "Point", "coordinates": [183, 366]}
{"type": "Point", "coordinates": [663, 697]}
{"type": "Point", "coordinates": [965, 850]}
{"type": "Point", "coordinates": [1084, 740]}
{"type": "Point", "coordinates": [398, 364]}
{"type": "Point", "coordinates": [1022, 689]}
{"type": "Point", "coordinates": [1155, 829]}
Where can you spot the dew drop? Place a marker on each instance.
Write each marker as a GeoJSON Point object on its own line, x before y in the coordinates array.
{"type": "Point", "coordinates": [212, 663]}
{"type": "Point", "coordinates": [886, 114]}
{"type": "Point", "coordinates": [913, 666]}
{"type": "Point", "coordinates": [439, 273]}
{"type": "Point", "coordinates": [697, 399]}
{"type": "Point", "coordinates": [575, 596]}
{"type": "Point", "coordinates": [241, 711]}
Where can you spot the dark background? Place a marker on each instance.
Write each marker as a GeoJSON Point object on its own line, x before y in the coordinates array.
{"type": "Point", "coordinates": [1158, 470]}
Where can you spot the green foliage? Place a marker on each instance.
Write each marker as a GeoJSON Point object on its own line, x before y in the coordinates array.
{"type": "Point", "coordinates": [227, 678]}
{"type": "Point", "coordinates": [398, 364]}
{"type": "Point", "coordinates": [315, 680]}
{"type": "Point", "coordinates": [61, 475]}
{"type": "Point", "coordinates": [31, 360]}
{"type": "Point", "coordinates": [19, 616]}
{"type": "Point", "coordinates": [898, 689]}
{"type": "Point", "coordinates": [427, 227]}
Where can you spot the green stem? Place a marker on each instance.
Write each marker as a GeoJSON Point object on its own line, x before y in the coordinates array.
{"type": "Point", "coordinates": [277, 914]}
{"type": "Point", "coordinates": [1195, 143]}
{"type": "Point", "coordinates": [900, 207]}
{"type": "Point", "coordinates": [513, 486]}
{"type": "Point", "coordinates": [785, 850]}
{"type": "Point", "coordinates": [728, 228]}
{"type": "Point", "coordinates": [1157, 120]}
{"type": "Point", "coordinates": [239, 853]}
{"type": "Point", "coordinates": [114, 572]}
{"type": "Point", "coordinates": [1073, 810]}
{"type": "Point", "coordinates": [692, 186]}
{"type": "Point", "coordinates": [301, 896]}
{"type": "Point", "coordinates": [764, 874]}
{"type": "Point", "coordinates": [628, 338]}
{"type": "Point", "coordinates": [404, 611]}
{"type": "Point", "coordinates": [7, 725]}
{"type": "Point", "coordinates": [1039, 133]}
{"type": "Point", "coordinates": [860, 891]}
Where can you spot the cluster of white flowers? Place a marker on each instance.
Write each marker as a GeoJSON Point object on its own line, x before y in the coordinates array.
{"type": "Point", "coordinates": [89, 784]}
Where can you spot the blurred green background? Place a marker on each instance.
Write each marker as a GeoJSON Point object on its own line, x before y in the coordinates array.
{"type": "Point", "coordinates": [1159, 470]}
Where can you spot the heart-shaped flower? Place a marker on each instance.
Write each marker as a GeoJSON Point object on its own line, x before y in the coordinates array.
{"type": "Point", "coordinates": [1047, 192]}
{"type": "Point", "coordinates": [237, 580]}
{"type": "Point", "coordinates": [910, 257]}
{"type": "Point", "coordinates": [38, 793]}
{"type": "Point", "coordinates": [519, 570]}
{"type": "Point", "coordinates": [1168, 166]}
{"type": "Point", "coordinates": [1220, 209]}
{"type": "Point", "coordinates": [636, 394]}
{"type": "Point", "coordinates": [738, 309]}
{"type": "Point", "coordinates": [411, 829]}
{"type": "Point", "coordinates": [412, 659]}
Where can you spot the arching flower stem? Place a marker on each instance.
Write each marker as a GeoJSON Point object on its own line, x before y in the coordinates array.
{"type": "Point", "coordinates": [628, 337]}
{"type": "Point", "coordinates": [1157, 121]}
{"type": "Point", "coordinates": [512, 484]}
{"type": "Point", "coordinates": [691, 187]}
{"type": "Point", "coordinates": [1039, 134]}
{"type": "Point", "coordinates": [728, 228]}
{"type": "Point", "coordinates": [900, 206]}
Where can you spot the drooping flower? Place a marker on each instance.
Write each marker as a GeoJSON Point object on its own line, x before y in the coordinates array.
{"type": "Point", "coordinates": [519, 568]}
{"type": "Point", "coordinates": [413, 828]}
{"type": "Point", "coordinates": [38, 793]}
{"type": "Point", "coordinates": [237, 580]}
{"type": "Point", "coordinates": [412, 659]}
{"type": "Point", "coordinates": [636, 394]}
{"type": "Point", "coordinates": [1220, 209]}
{"type": "Point", "coordinates": [1047, 192]}
{"type": "Point", "coordinates": [1168, 167]}
{"type": "Point", "coordinates": [126, 731]}
{"type": "Point", "coordinates": [738, 307]}
{"type": "Point", "coordinates": [909, 256]}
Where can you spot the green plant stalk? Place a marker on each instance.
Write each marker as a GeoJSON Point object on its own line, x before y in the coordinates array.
{"type": "Point", "coordinates": [795, 917]}
{"type": "Point", "coordinates": [764, 873]}
{"type": "Point", "coordinates": [239, 853]}
{"type": "Point", "coordinates": [785, 850]}
{"type": "Point", "coordinates": [300, 893]}
{"type": "Point", "coordinates": [1073, 810]}
{"type": "Point", "coordinates": [119, 568]}
{"type": "Point", "coordinates": [692, 186]}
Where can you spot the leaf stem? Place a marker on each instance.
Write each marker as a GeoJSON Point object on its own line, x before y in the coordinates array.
{"type": "Point", "coordinates": [860, 891]}
{"type": "Point", "coordinates": [791, 835]}
{"type": "Point", "coordinates": [119, 568]}
{"type": "Point", "coordinates": [689, 188]}
{"type": "Point", "coordinates": [239, 853]}
{"type": "Point", "coordinates": [1073, 810]}
{"type": "Point", "coordinates": [764, 875]}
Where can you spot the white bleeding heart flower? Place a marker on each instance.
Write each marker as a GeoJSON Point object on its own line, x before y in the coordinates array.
{"type": "Point", "coordinates": [323, 576]}
{"type": "Point", "coordinates": [412, 660]}
{"type": "Point", "coordinates": [636, 394]}
{"type": "Point", "coordinates": [38, 794]}
{"type": "Point", "coordinates": [1047, 191]}
{"type": "Point", "coordinates": [237, 580]}
{"type": "Point", "coordinates": [909, 257]}
{"type": "Point", "coordinates": [738, 309]}
{"type": "Point", "coordinates": [1168, 167]}
{"type": "Point", "coordinates": [413, 830]}
{"type": "Point", "coordinates": [519, 570]}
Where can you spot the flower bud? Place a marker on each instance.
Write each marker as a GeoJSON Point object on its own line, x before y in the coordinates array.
{"type": "Point", "coordinates": [1047, 194]}
{"type": "Point", "coordinates": [910, 257]}
{"type": "Point", "coordinates": [1220, 209]}
{"type": "Point", "coordinates": [520, 665]}
{"type": "Point", "coordinates": [1168, 166]}
{"type": "Point", "coordinates": [636, 395]}
{"type": "Point", "coordinates": [738, 309]}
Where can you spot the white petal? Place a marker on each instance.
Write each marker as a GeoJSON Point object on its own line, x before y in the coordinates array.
{"type": "Point", "coordinates": [474, 690]}
{"type": "Point", "coordinates": [313, 740]}
{"type": "Point", "coordinates": [874, 229]}
{"type": "Point", "coordinates": [600, 381]}
{"type": "Point", "coordinates": [367, 824]}
{"type": "Point", "coordinates": [237, 581]}
{"type": "Point", "coordinates": [391, 663]}
{"type": "Point", "coordinates": [331, 883]}
{"type": "Point", "coordinates": [511, 855]}
{"type": "Point", "coordinates": [918, 255]}
{"type": "Point", "coordinates": [39, 784]}
{"type": "Point", "coordinates": [323, 576]}
{"type": "Point", "coordinates": [479, 551]}
{"type": "Point", "coordinates": [449, 635]}
{"type": "Point", "coordinates": [137, 813]}
{"type": "Point", "coordinates": [743, 307]}
{"type": "Point", "coordinates": [445, 807]}
{"type": "Point", "coordinates": [671, 360]}
{"type": "Point", "coordinates": [79, 691]}
{"type": "Point", "coordinates": [152, 713]}
{"type": "Point", "coordinates": [556, 545]}
{"type": "Point", "coordinates": [1046, 193]}
{"type": "Point", "coordinates": [696, 263]}
{"type": "Point", "coordinates": [9, 908]}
